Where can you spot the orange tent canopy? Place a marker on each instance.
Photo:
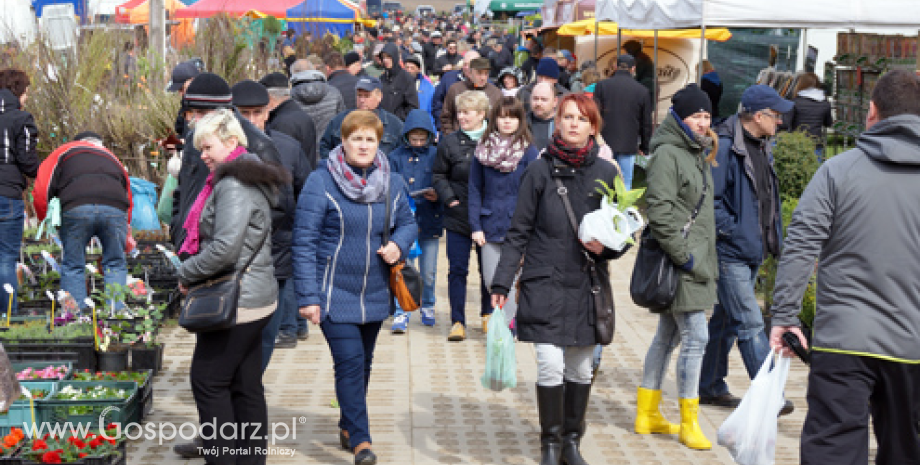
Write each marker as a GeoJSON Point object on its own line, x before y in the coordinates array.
{"type": "Point", "coordinates": [138, 11]}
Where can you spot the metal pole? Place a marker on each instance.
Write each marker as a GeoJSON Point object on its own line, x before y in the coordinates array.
{"type": "Point", "coordinates": [699, 69]}
{"type": "Point", "coordinates": [157, 34]}
{"type": "Point", "coordinates": [655, 88]}
{"type": "Point", "coordinates": [596, 35]}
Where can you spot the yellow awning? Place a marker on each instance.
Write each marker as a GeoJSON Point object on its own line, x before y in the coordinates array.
{"type": "Point", "coordinates": [608, 28]}
{"type": "Point", "coordinates": [367, 22]}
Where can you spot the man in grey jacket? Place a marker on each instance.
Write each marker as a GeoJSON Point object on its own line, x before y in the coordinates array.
{"type": "Point", "coordinates": [859, 218]}
{"type": "Point", "coordinates": [315, 96]}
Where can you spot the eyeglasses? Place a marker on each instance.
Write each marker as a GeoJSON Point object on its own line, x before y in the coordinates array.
{"type": "Point", "coordinates": [775, 116]}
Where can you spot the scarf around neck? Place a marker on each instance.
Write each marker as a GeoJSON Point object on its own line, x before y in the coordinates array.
{"type": "Point", "coordinates": [476, 134]}
{"type": "Point", "coordinates": [371, 189]}
{"type": "Point", "coordinates": [192, 240]}
{"type": "Point", "coordinates": [502, 153]}
{"type": "Point", "coordinates": [576, 157]}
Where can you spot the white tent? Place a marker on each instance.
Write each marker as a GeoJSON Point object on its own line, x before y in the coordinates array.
{"type": "Point", "coordinates": [826, 14]}
{"type": "Point", "coordinates": [17, 21]}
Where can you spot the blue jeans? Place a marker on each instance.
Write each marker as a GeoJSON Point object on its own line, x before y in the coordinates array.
{"type": "Point", "coordinates": [427, 266]}
{"type": "Point", "coordinates": [12, 216]}
{"type": "Point", "coordinates": [689, 330]}
{"type": "Point", "coordinates": [290, 323]}
{"type": "Point", "coordinates": [736, 316]}
{"type": "Point", "coordinates": [352, 347]}
{"type": "Point", "coordinates": [627, 162]}
{"type": "Point", "coordinates": [458, 256]}
{"type": "Point", "coordinates": [819, 153]}
{"type": "Point", "coordinates": [270, 331]}
{"type": "Point", "coordinates": [78, 226]}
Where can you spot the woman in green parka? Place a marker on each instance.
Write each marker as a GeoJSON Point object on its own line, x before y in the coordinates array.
{"type": "Point", "coordinates": [679, 174]}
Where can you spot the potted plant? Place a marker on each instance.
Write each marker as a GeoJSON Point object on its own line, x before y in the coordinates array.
{"type": "Point", "coordinates": [147, 352]}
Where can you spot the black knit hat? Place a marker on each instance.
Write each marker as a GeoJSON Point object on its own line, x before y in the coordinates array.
{"type": "Point", "coordinates": [275, 80]}
{"type": "Point", "coordinates": [208, 91]}
{"type": "Point", "coordinates": [690, 100]}
{"type": "Point", "coordinates": [351, 58]}
{"type": "Point", "coordinates": [249, 94]}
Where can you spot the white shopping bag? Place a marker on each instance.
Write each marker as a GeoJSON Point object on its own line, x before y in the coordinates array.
{"type": "Point", "coordinates": [749, 433]}
{"type": "Point", "coordinates": [610, 226]}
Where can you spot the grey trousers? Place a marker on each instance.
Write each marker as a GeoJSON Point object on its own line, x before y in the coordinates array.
{"type": "Point", "coordinates": [491, 253]}
{"type": "Point", "coordinates": [557, 364]}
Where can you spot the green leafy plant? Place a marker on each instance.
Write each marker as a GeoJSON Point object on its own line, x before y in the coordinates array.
{"type": "Point", "coordinates": [622, 199]}
{"type": "Point", "coordinates": [39, 330]}
{"type": "Point", "coordinates": [795, 163]}
{"type": "Point", "coordinates": [146, 323]}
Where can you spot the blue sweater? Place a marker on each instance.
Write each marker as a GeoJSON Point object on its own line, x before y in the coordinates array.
{"type": "Point", "coordinates": [336, 265]}
{"type": "Point", "coordinates": [493, 196]}
{"type": "Point", "coordinates": [414, 163]}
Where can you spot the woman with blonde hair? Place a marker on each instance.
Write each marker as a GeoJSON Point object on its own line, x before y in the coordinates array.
{"type": "Point", "coordinates": [680, 183]}
{"type": "Point", "coordinates": [229, 225]}
{"type": "Point", "coordinates": [451, 177]}
{"type": "Point", "coordinates": [341, 266]}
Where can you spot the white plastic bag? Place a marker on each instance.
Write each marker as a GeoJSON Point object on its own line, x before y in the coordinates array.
{"type": "Point", "coordinates": [749, 433]}
{"type": "Point", "coordinates": [610, 226]}
{"type": "Point", "coordinates": [501, 362]}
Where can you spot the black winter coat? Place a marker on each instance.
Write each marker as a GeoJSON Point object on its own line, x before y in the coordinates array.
{"type": "Point", "coordinates": [429, 54]}
{"type": "Point", "coordinates": [290, 119]}
{"type": "Point", "coordinates": [345, 82]}
{"type": "Point", "coordinates": [295, 163]}
{"type": "Point", "coordinates": [399, 93]}
{"type": "Point", "coordinates": [809, 115]}
{"type": "Point", "coordinates": [18, 141]}
{"type": "Point", "coordinates": [450, 175]}
{"type": "Point", "coordinates": [626, 113]}
{"type": "Point", "coordinates": [555, 304]}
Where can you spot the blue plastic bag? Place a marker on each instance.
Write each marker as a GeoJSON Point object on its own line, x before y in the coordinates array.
{"type": "Point", "coordinates": [415, 251]}
{"type": "Point", "coordinates": [501, 362]}
{"type": "Point", "coordinates": [144, 215]}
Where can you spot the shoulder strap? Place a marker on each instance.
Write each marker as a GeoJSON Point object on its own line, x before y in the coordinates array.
{"type": "Point", "coordinates": [564, 193]}
{"type": "Point", "coordinates": [257, 249]}
{"type": "Point", "coordinates": [696, 210]}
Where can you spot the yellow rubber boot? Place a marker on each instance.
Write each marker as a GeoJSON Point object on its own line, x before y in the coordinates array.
{"type": "Point", "coordinates": [690, 433]}
{"type": "Point", "coordinates": [648, 418]}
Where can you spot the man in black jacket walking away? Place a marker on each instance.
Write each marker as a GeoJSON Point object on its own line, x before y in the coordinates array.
{"type": "Point", "coordinates": [627, 112]}
{"type": "Point", "coordinates": [285, 115]}
{"type": "Point", "coordinates": [339, 77]}
{"type": "Point", "coordinates": [399, 93]}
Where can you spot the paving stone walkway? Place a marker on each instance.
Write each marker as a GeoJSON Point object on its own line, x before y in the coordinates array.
{"type": "Point", "coordinates": [427, 406]}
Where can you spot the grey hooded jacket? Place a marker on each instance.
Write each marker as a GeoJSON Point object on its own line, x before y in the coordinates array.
{"type": "Point", "coordinates": [233, 222]}
{"type": "Point", "coordinates": [859, 218]}
{"type": "Point", "coordinates": [321, 100]}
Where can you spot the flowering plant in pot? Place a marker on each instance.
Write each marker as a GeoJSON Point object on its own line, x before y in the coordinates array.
{"type": "Point", "coordinates": [147, 352]}
{"type": "Point", "coordinates": [71, 448]}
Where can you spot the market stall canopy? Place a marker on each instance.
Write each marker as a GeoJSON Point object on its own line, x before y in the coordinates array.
{"type": "Point", "coordinates": [499, 6]}
{"type": "Point", "coordinates": [208, 8]}
{"type": "Point", "coordinates": [832, 14]}
{"type": "Point", "coordinates": [139, 13]}
{"type": "Point", "coordinates": [607, 28]}
{"type": "Point", "coordinates": [79, 6]}
{"type": "Point", "coordinates": [321, 16]}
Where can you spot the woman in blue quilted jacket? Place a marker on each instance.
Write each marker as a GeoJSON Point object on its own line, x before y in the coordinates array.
{"type": "Point", "coordinates": [341, 266]}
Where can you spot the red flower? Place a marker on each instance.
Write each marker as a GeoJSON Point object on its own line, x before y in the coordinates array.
{"type": "Point", "coordinates": [78, 443]}
{"type": "Point", "coordinates": [51, 457]}
{"type": "Point", "coordinates": [113, 442]}
{"type": "Point", "coordinates": [39, 444]}
{"type": "Point", "coordinates": [111, 426]}
{"type": "Point", "coordinates": [95, 443]}
{"type": "Point", "coordinates": [81, 455]}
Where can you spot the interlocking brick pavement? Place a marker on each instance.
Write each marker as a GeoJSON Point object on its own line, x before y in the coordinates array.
{"type": "Point", "coordinates": [427, 406]}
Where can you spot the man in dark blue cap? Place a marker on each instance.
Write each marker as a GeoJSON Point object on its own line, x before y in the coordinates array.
{"type": "Point", "coordinates": [369, 93]}
{"type": "Point", "coordinates": [748, 229]}
{"type": "Point", "coordinates": [251, 99]}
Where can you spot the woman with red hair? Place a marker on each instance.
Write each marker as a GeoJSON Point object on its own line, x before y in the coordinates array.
{"type": "Point", "coordinates": [555, 306]}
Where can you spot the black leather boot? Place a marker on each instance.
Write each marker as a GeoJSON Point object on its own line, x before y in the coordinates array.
{"type": "Point", "coordinates": [576, 403]}
{"type": "Point", "coordinates": [550, 403]}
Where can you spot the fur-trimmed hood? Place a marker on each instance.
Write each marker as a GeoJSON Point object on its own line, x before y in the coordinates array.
{"type": "Point", "coordinates": [250, 170]}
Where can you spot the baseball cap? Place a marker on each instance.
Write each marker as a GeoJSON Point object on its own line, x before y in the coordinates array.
{"type": "Point", "coordinates": [480, 63]}
{"type": "Point", "coordinates": [181, 73]}
{"type": "Point", "coordinates": [436, 34]}
{"type": "Point", "coordinates": [626, 59]}
{"type": "Point", "coordinates": [567, 55]}
{"type": "Point", "coordinates": [760, 97]}
{"type": "Point", "coordinates": [368, 84]}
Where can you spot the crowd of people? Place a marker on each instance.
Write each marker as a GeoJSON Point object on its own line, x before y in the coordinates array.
{"type": "Point", "coordinates": [320, 176]}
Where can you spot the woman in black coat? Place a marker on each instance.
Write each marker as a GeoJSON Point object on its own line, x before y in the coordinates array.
{"type": "Point", "coordinates": [811, 113]}
{"type": "Point", "coordinates": [556, 308]}
{"type": "Point", "coordinates": [450, 175]}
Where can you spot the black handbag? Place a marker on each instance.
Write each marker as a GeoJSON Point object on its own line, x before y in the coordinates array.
{"type": "Point", "coordinates": [601, 290]}
{"type": "Point", "coordinates": [405, 281]}
{"type": "Point", "coordinates": [655, 277]}
{"type": "Point", "coordinates": [212, 304]}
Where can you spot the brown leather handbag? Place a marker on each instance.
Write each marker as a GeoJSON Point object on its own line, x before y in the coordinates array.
{"type": "Point", "coordinates": [405, 280]}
